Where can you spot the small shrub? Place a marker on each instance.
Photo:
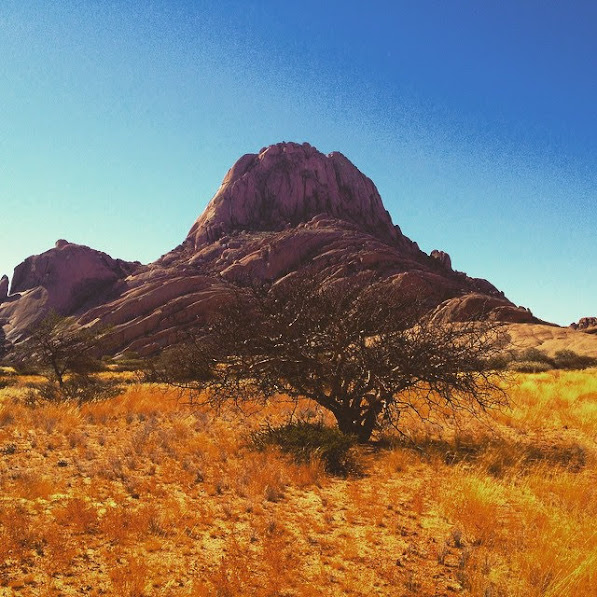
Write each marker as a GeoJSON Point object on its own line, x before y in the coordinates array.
{"type": "Point", "coordinates": [78, 388]}
{"type": "Point", "coordinates": [6, 382]}
{"type": "Point", "coordinates": [305, 441]}
{"type": "Point", "coordinates": [78, 514]}
{"type": "Point", "coordinates": [534, 355]}
{"type": "Point", "coordinates": [500, 361]}
{"type": "Point", "coordinates": [26, 368]}
{"type": "Point", "coordinates": [568, 359]}
{"type": "Point", "coordinates": [129, 579]}
{"type": "Point", "coordinates": [531, 360]}
{"type": "Point", "coordinates": [530, 366]}
{"type": "Point", "coordinates": [7, 416]}
{"type": "Point", "coordinates": [128, 365]}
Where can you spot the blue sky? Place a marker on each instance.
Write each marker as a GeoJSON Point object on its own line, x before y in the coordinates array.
{"type": "Point", "coordinates": [477, 121]}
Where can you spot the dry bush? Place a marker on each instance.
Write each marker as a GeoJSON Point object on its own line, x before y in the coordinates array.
{"type": "Point", "coordinates": [122, 526]}
{"type": "Point", "coordinates": [23, 534]}
{"type": "Point", "coordinates": [7, 415]}
{"type": "Point", "coordinates": [129, 578]}
{"type": "Point", "coordinates": [31, 487]}
{"type": "Point", "coordinates": [263, 476]}
{"type": "Point", "coordinates": [60, 550]}
{"type": "Point", "coordinates": [233, 576]}
{"type": "Point", "coordinates": [77, 514]}
{"type": "Point", "coordinates": [55, 417]}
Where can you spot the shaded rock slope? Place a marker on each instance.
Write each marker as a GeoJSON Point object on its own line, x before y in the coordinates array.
{"type": "Point", "coordinates": [284, 209]}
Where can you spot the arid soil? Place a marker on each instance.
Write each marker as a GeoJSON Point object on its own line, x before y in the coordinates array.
{"type": "Point", "coordinates": [144, 495]}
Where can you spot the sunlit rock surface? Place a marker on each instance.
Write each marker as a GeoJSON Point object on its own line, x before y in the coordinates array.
{"type": "Point", "coordinates": [586, 324]}
{"type": "Point", "coordinates": [277, 212]}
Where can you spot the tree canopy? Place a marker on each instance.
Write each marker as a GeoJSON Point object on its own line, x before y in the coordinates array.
{"type": "Point", "coordinates": [66, 355]}
{"type": "Point", "coordinates": [358, 349]}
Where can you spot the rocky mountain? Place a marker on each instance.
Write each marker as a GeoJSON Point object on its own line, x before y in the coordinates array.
{"type": "Point", "coordinates": [68, 279]}
{"type": "Point", "coordinates": [281, 210]}
{"type": "Point", "coordinates": [586, 324]}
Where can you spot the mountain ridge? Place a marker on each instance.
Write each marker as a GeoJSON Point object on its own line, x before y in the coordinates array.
{"type": "Point", "coordinates": [277, 212]}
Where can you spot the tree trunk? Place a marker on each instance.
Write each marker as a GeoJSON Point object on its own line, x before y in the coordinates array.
{"type": "Point", "coordinates": [360, 425]}
{"type": "Point", "coordinates": [360, 419]}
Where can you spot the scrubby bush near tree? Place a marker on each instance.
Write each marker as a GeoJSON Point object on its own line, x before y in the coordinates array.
{"type": "Point", "coordinates": [568, 359]}
{"type": "Point", "coordinates": [530, 366]}
{"type": "Point", "coordinates": [304, 441]}
{"type": "Point", "coordinates": [534, 360]}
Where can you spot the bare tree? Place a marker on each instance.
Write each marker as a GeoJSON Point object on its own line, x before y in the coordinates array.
{"type": "Point", "coordinates": [357, 349]}
{"type": "Point", "coordinates": [65, 355]}
{"type": "Point", "coordinates": [58, 348]}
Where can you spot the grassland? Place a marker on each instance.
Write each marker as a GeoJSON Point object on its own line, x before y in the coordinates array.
{"type": "Point", "coordinates": [142, 495]}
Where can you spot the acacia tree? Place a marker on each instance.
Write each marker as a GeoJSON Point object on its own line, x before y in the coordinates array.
{"type": "Point", "coordinates": [356, 349]}
{"type": "Point", "coordinates": [58, 349]}
{"type": "Point", "coordinates": [65, 355]}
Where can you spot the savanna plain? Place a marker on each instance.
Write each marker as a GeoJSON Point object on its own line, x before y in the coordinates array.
{"type": "Point", "coordinates": [143, 494]}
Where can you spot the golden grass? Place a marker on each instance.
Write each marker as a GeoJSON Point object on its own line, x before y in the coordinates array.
{"type": "Point", "coordinates": [141, 495]}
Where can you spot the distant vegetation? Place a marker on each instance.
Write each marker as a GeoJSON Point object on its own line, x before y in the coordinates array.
{"type": "Point", "coordinates": [533, 360]}
{"type": "Point", "coordinates": [66, 357]}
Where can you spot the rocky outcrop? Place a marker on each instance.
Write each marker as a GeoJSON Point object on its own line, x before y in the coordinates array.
{"type": "Point", "coordinates": [73, 274]}
{"type": "Point", "coordinates": [68, 279]}
{"type": "Point", "coordinates": [586, 324]}
{"type": "Point", "coordinates": [443, 258]}
{"type": "Point", "coordinates": [474, 305]}
{"type": "Point", "coordinates": [3, 288]}
{"type": "Point", "coordinates": [287, 184]}
{"type": "Point", "coordinates": [551, 338]}
{"type": "Point", "coordinates": [277, 212]}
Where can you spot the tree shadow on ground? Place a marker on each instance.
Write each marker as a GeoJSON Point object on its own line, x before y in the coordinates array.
{"type": "Point", "coordinates": [497, 455]}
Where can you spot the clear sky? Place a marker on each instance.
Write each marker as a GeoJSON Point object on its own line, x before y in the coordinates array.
{"type": "Point", "coordinates": [476, 119]}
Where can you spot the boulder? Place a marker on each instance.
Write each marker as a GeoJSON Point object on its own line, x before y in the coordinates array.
{"type": "Point", "coordinates": [68, 279]}
{"type": "Point", "coordinates": [443, 258]}
{"type": "Point", "coordinates": [481, 306]}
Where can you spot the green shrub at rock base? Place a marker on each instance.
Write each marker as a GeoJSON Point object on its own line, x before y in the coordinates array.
{"type": "Point", "coordinates": [568, 359]}
{"type": "Point", "coordinates": [304, 441]}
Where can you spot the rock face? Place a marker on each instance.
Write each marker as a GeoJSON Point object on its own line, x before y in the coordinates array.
{"type": "Point", "coordinates": [586, 324]}
{"type": "Point", "coordinates": [468, 306]}
{"type": "Point", "coordinates": [68, 279]}
{"type": "Point", "coordinates": [281, 210]}
{"type": "Point", "coordinates": [3, 288]}
{"type": "Point", "coordinates": [288, 184]}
